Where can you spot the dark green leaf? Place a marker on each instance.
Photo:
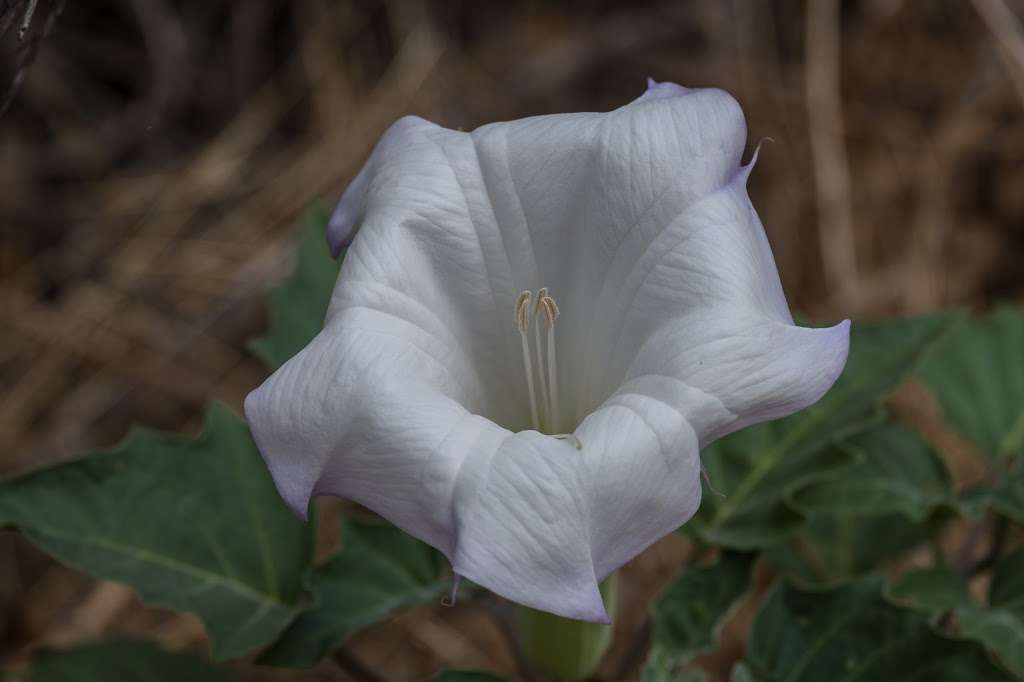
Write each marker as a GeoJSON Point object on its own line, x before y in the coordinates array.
{"type": "Point", "coordinates": [852, 634]}
{"type": "Point", "coordinates": [378, 571]}
{"type": "Point", "coordinates": [975, 502]}
{"type": "Point", "coordinates": [1000, 627]}
{"type": "Point", "coordinates": [193, 525]}
{"type": "Point", "coordinates": [122, 661]}
{"type": "Point", "coordinates": [688, 613]}
{"type": "Point", "coordinates": [1007, 589]}
{"type": "Point", "coordinates": [978, 375]}
{"type": "Point", "coordinates": [1006, 496]}
{"type": "Point", "coordinates": [830, 549]}
{"type": "Point", "coordinates": [660, 669]}
{"type": "Point", "coordinates": [299, 303]}
{"type": "Point", "coordinates": [755, 467]}
{"type": "Point", "coordinates": [466, 676]}
{"type": "Point", "coordinates": [741, 673]}
{"type": "Point", "coordinates": [893, 472]}
{"type": "Point", "coordinates": [932, 590]}
{"type": "Point", "coordinates": [875, 507]}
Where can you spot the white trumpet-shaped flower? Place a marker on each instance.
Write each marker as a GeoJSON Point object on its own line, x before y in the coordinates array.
{"type": "Point", "coordinates": [537, 327]}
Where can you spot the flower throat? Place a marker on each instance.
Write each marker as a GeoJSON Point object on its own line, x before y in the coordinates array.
{"type": "Point", "coordinates": [545, 412]}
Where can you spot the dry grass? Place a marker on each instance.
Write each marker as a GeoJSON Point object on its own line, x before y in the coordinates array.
{"type": "Point", "coordinates": [156, 158]}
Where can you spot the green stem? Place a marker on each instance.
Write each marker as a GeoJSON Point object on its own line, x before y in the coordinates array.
{"type": "Point", "coordinates": [567, 650]}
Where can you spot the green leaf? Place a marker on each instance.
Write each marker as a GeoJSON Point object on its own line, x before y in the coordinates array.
{"type": "Point", "coordinates": [689, 612]}
{"type": "Point", "coordinates": [191, 524]}
{"type": "Point", "coordinates": [893, 472]}
{"type": "Point", "coordinates": [1007, 588]}
{"type": "Point", "coordinates": [978, 375]}
{"type": "Point", "coordinates": [378, 571]}
{"type": "Point", "coordinates": [875, 507]}
{"type": "Point", "coordinates": [852, 634]}
{"type": "Point", "coordinates": [755, 467]}
{"type": "Point", "coordinates": [831, 549]}
{"type": "Point", "coordinates": [932, 590]}
{"type": "Point", "coordinates": [466, 676]}
{"type": "Point", "coordinates": [299, 303]}
{"type": "Point", "coordinates": [1006, 496]}
{"type": "Point", "coordinates": [660, 669]}
{"type": "Point", "coordinates": [1000, 627]}
{"type": "Point", "coordinates": [741, 673]}
{"type": "Point", "coordinates": [122, 661]}
{"type": "Point", "coordinates": [973, 503]}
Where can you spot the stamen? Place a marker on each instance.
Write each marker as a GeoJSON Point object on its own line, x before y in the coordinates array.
{"type": "Point", "coordinates": [523, 323]}
{"type": "Point", "coordinates": [545, 397]}
{"type": "Point", "coordinates": [546, 415]}
{"type": "Point", "coordinates": [551, 314]}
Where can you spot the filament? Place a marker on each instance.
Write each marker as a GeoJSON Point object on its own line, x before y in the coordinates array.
{"type": "Point", "coordinates": [545, 411]}
{"type": "Point", "coordinates": [551, 314]}
{"type": "Point", "coordinates": [523, 324]}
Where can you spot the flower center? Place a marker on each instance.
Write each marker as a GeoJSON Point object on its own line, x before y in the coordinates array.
{"type": "Point", "coordinates": [543, 382]}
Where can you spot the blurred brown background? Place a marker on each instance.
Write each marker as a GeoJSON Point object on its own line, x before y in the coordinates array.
{"type": "Point", "coordinates": [156, 156]}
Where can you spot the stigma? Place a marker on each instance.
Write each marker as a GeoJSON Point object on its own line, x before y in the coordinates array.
{"type": "Point", "coordinates": [540, 361]}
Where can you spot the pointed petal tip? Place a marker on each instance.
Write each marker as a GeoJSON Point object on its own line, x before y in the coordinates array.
{"type": "Point", "coordinates": [836, 351]}
{"type": "Point", "coordinates": [591, 610]}
{"type": "Point", "coordinates": [344, 222]}
{"type": "Point", "coordinates": [576, 597]}
{"type": "Point", "coordinates": [748, 168]}
{"type": "Point", "coordinates": [341, 228]}
{"type": "Point", "coordinates": [293, 492]}
{"type": "Point", "coordinates": [602, 617]}
{"type": "Point", "coordinates": [662, 90]}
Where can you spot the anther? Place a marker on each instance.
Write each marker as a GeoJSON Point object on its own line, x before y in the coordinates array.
{"type": "Point", "coordinates": [550, 308]}
{"type": "Point", "coordinates": [523, 311]}
{"type": "Point", "coordinates": [542, 293]}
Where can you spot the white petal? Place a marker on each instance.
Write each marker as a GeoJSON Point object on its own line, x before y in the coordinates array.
{"type": "Point", "coordinates": [674, 331]}
{"type": "Point", "coordinates": [712, 257]}
{"type": "Point", "coordinates": [758, 369]}
{"type": "Point", "coordinates": [375, 417]}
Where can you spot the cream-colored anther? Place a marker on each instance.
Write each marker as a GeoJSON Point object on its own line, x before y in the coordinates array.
{"type": "Point", "coordinates": [522, 323]}
{"type": "Point", "coordinates": [542, 293]}
{"type": "Point", "coordinates": [523, 311]}
{"type": "Point", "coordinates": [549, 309]}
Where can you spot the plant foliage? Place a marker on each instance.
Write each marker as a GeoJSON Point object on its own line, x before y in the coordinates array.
{"type": "Point", "coordinates": [822, 500]}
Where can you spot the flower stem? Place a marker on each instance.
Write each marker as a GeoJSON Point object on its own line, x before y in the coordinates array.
{"type": "Point", "coordinates": [567, 650]}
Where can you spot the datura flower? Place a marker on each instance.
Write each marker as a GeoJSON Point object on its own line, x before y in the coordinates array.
{"type": "Point", "coordinates": [537, 327]}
